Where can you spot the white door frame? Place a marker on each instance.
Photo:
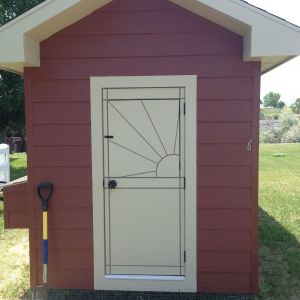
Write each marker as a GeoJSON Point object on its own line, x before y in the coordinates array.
{"type": "Point", "coordinates": [188, 283]}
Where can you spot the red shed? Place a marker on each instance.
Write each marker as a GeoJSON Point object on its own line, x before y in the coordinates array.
{"type": "Point", "coordinates": [144, 116]}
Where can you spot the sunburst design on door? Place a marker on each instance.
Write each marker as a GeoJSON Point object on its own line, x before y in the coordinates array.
{"type": "Point", "coordinates": [146, 134]}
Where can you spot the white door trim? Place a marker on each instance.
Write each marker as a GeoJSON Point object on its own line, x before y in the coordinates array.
{"type": "Point", "coordinates": [145, 283]}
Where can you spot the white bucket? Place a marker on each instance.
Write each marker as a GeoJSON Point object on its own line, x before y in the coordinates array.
{"type": "Point", "coordinates": [4, 163]}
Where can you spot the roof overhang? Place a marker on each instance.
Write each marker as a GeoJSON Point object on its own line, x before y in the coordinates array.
{"type": "Point", "coordinates": [267, 38]}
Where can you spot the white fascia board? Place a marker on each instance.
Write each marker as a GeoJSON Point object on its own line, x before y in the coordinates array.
{"type": "Point", "coordinates": [265, 36]}
{"type": "Point", "coordinates": [277, 40]}
{"type": "Point", "coordinates": [22, 36]}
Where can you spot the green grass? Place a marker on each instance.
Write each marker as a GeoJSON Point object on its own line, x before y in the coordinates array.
{"type": "Point", "coordinates": [14, 252]}
{"type": "Point", "coordinates": [18, 168]}
{"type": "Point", "coordinates": [18, 165]}
{"type": "Point", "coordinates": [279, 228]}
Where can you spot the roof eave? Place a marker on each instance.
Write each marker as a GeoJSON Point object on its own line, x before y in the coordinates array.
{"type": "Point", "coordinates": [267, 38]}
{"type": "Point", "coordinates": [22, 36]}
{"type": "Point", "coordinates": [278, 61]}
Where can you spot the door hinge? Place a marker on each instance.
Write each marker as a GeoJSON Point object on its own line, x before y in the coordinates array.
{"type": "Point", "coordinates": [184, 108]}
{"type": "Point", "coordinates": [184, 183]}
{"type": "Point", "coordinates": [103, 183]}
{"type": "Point", "coordinates": [184, 256]}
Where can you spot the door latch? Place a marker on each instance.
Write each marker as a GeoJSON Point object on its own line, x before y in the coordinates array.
{"type": "Point", "coordinates": [249, 146]}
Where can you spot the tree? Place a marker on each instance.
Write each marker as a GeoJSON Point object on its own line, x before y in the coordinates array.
{"type": "Point", "coordinates": [280, 104]}
{"type": "Point", "coordinates": [11, 101]}
{"type": "Point", "coordinates": [10, 9]}
{"type": "Point", "coordinates": [295, 107]}
{"type": "Point", "coordinates": [273, 100]}
{"type": "Point", "coordinates": [11, 85]}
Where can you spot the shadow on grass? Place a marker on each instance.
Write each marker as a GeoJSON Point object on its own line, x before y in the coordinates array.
{"type": "Point", "coordinates": [17, 172]}
{"type": "Point", "coordinates": [279, 252]}
{"type": "Point", "coordinates": [11, 159]}
{"type": "Point", "coordinates": [18, 165]}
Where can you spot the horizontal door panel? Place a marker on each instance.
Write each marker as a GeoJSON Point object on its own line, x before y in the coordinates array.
{"type": "Point", "coordinates": [147, 270]}
{"type": "Point", "coordinates": [146, 183]}
{"type": "Point", "coordinates": [142, 93]}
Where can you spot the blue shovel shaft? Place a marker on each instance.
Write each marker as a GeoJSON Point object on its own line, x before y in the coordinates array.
{"type": "Point", "coordinates": [45, 247]}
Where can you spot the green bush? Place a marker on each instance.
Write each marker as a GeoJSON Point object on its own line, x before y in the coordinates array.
{"type": "Point", "coordinates": [295, 107]}
{"type": "Point", "coordinates": [292, 135]}
{"type": "Point", "coordinates": [262, 115]}
{"type": "Point", "coordinates": [270, 136]}
{"type": "Point", "coordinates": [271, 113]}
{"type": "Point", "coordinates": [288, 131]}
{"type": "Point", "coordinates": [287, 120]}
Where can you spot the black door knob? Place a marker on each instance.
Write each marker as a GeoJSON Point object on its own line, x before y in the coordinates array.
{"type": "Point", "coordinates": [112, 184]}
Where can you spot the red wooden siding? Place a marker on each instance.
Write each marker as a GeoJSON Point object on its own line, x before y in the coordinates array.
{"type": "Point", "coordinates": [69, 260]}
{"type": "Point", "coordinates": [235, 282]}
{"type": "Point", "coordinates": [211, 261]}
{"type": "Point", "coordinates": [225, 111]}
{"type": "Point", "coordinates": [68, 279]}
{"type": "Point", "coordinates": [223, 154]}
{"type": "Point", "coordinates": [158, 44]}
{"type": "Point", "coordinates": [224, 198]}
{"type": "Point", "coordinates": [65, 238]}
{"type": "Point", "coordinates": [43, 113]}
{"type": "Point", "coordinates": [59, 156]}
{"type": "Point", "coordinates": [61, 135]}
{"type": "Point", "coordinates": [224, 132]}
{"type": "Point", "coordinates": [144, 37]}
{"type": "Point", "coordinates": [67, 218]}
{"type": "Point", "coordinates": [203, 65]}
{"type": "Point", "coordinates": [223, 240]}
{"type": "Point", "coordinates": [16, 206]}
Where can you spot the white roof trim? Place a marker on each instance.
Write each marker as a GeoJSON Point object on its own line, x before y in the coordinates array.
{"type": "Point", "coordinates": [267, 38]}
{"type": "Point", "coordinates": [22, 36]}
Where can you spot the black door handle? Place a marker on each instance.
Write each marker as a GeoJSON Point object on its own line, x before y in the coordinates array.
{"type": "Point", "coordinates": [112, 184]}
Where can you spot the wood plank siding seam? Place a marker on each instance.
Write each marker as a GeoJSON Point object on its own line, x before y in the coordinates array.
{"type": "Point", "coordinates": [86, 81]}
{"type": "Point", "coordinates": [87, 123]}
{"type": "Point", "coordinates": [63, 35]}
{"type": "Point", "coordinates": [239, 101]}
{"type": "Point", "coordinates": [216, 55]}
{"type": "Point", "coordinates": [227, 186]}
{"type": "Point", "coordinates": [233, 56]}
{"type": "Point", "coordinates": [214, 251]}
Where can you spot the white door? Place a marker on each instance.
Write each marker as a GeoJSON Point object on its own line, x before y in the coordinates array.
{"type": "Point", "coordinates": [144, 181]}
{"type": "Point", "coordinates": [144, 210]}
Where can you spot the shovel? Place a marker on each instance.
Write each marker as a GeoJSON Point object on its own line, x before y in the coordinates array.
{"type": "Point", "coordinates": [45, 191]}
